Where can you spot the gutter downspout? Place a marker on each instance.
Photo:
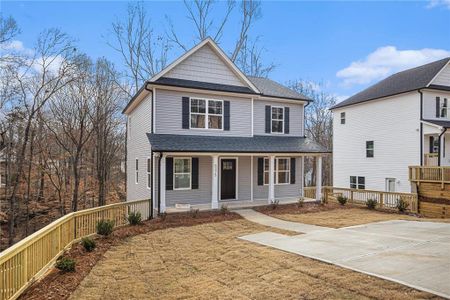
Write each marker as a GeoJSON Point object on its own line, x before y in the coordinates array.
{"type": "Point", "coordinates": [421, 127]}
{"type": "Point", "coordinates": [151, 153]}
{"type": "Point", "coordinates": [159, 183]}
{"type": "Point", "coordinates": [440, 143]}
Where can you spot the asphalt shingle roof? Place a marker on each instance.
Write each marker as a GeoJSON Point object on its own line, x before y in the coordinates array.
{"type": "Point", "coordinates": [269, 87]}
{"type": "Point", "coordinates": [255, 144]}
{"type": "Point", "coordinates": [405, 81]}
{"type": "Point", "coordinates": [445, 124]}
{"type": "Point", "coordinates": [203, 85]}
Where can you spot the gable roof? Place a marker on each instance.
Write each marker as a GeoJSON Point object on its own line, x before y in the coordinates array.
{"type": "Point", "coordinates": [405, 81]}
{"type": "Point", "coordinates": [218, 51]}
{"type": "Point", "coordinates": [272, 88]}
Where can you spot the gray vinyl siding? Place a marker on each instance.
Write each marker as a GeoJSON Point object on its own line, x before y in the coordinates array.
{"type": "Point", "coordinates": [205, 65]}
{"type": "Point", "coordinates": [295, 117]}
{"type": "Point", "coordinates": [139, 122]}
{"type": "Point", "coordinates": [244, 175]}
{"type": "Point", "coordinates": [169, 114]}
{"type": "Point", "coordinates": [201, 195]}
{"type": "Point", "coordinates": [261, 192]}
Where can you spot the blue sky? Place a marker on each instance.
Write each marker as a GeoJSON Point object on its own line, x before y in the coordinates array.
{"type": "Point", "coordinates": [345, 45]}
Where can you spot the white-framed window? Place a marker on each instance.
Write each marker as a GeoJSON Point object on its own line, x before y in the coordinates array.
{"type": "Point", "coordinates": [357, 182]}
{"type": "Point", "coordinates": [182, 173]}
{"type": "Point", "coordinates": [369, 148]}
{"type": "Point", "coordinates": [206, 113]}
{"type": "Point", "coordinates": [282, 170]}
{"type": "Point", "coordinates": [342, 117]}
{"type": "Point", "coordinates": [149, 173]}
{"type": "Point", "coordinates": [277, 121]}
{"type": "Point", "coordinates": [390, 184]}
{"type": "Point", "coordinates": [136, 170]}
{"type": "Point", "coordinates": [444, 108]}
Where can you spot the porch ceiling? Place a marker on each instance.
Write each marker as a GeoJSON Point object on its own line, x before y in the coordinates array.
{"type": "Point", "coordinates": [255, 144]}
{"type": "Point", "coordinates": [440, 123]}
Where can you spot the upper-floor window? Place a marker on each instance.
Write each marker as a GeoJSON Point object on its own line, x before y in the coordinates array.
{"type": "Point", "coordinates": [444, 108]}
{"type": "Point", "coordinates": [369, 148]}
{"type": "Point", "coordinates": [342, 117]}
{"type": "Point", "coordinates": [206, 114]}
{"type": "Point", "coordinates": [277, 119]}
{"type": "Point", "coordinates": [441, 107]}
{"type": "Point", "coordinates": [357, 182]}
{"type": "Point", "coordinates": [282, 170]}
{"type": "Point", "coordinates": [182, 173]}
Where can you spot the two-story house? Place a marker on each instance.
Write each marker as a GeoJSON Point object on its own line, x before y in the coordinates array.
{"type": "Point", "coordinates": [201, 133]}
{"type": "Point", "coordinates": [399, 122]}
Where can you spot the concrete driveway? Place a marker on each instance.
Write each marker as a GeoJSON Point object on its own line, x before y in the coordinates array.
{"type": "Point", "coordinates": [416, 254]}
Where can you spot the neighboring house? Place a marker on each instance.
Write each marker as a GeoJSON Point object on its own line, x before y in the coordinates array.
{"type": "Point", "coordinates": [201, 132]}
{"type": "Point", "coordinates": [401, 121]}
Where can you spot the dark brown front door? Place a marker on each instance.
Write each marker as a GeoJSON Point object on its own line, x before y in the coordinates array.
{"type": "Point", "coordinates": [228, 179]}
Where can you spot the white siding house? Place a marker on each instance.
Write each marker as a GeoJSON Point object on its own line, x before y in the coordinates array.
{"type": "Point", "coordinates": [381, 131]}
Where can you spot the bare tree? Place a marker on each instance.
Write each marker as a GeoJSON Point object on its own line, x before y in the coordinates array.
{"type": "Point", "coordinates": [8, 29]}
{"type": "Point", "coordinates": [143, 53]}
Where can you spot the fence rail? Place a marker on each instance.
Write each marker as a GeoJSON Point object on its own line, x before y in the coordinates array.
{"type": "Point", "coordinates": [387, 200]}
{"type": "Point", "coordinates": [420, 174]}
{"type": "Point", "coordinates": [27, 260]}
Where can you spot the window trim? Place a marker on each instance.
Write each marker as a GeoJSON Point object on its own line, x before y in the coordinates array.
{"type": "Point", "coordinates": [206, 114]}
{"type": "Point", "coordinates": [343, 118]}
{"type": "Point", "coordinates": [357, 184]}
{"type": "Point", "coordinates": [272, 119]}
{"type": "Point", "coordinates": [149, 173]}
{"type": "Point", "coordinates": [387, 180]}
{"type": "Point", "coordinates": [190, 174]}
{"type": "Point", "coordinates": [276, 171]}
{"type": "Point", "coordinates": [136, 171]}
{"type": "Point", "coordinates": [443, 109]}
{"type": "Point", "coordinates": [370, 149]}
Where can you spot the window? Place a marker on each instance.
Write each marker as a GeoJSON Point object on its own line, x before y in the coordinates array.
{"type": "Point", "coordinates": [182, 173]}
{"type": "Point", "coordinates": [443, 108]}
{"type": "Point", "coordinates": [136, 174]}
{"type": "Point", "coordinates": [277, 119]}
{"type": "Point", "coordinates": [206, 113]}
{"type": "Point", "coordinates": [342, 117]}
{"type": "Point", "coordinates": [282, 171]}
{"type": "Point", "coordinates": [369, 149]}
{"type": "Point", "coordinates": [390, 184]}
{"type": "Point", "coordinates": [434, 144]}
{"type": "Point", "coordinates": [357, 182]}
{"type": "Point", "coordinates": [149, 173]}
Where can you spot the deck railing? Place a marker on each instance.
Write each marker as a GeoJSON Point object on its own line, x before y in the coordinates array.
{"type": "Point", "coordinates": [431, 159]}
{"type": "Point", "coordinates": [30, 258]}
{"type": "Point", "coordinates": [420, 174]}
{"type": "Point", "coordinates": [387, 200]}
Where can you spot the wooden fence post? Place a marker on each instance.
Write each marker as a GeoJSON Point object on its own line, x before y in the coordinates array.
{"type": "Point", "coordinates": [381, 200]}
{"type": "Point", "coordinates": [351, 196]}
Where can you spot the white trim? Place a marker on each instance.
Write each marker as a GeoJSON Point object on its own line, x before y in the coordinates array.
{"type": "Point", "coordinates": [237, 178]}
{"type": "Point", "coordinates": [218, 51]}
{"type": "Point", "coordinates": [162, 183]}
{"type": "Point", "coordinates": [259, 154]}
{"type": "Point", "coordinates": [275, 170]}
{"type": "Point", "coordinates": [136, 170]}
{"type": "Point", "coordinates": [155, 155]}
{"type": "Point", "coordinates": [438, 73]}
{"type": "Point", "coordinates": [432, 124]}
{"type": "Point", "coordinates": [251, 178]}
{"type": "Point", "coordinates": [190, 174]}
{"type": "Point", "coordinates": [278, 120]}
{"type": "Point", "coordinates": [149, 173]}
{"type": "Point", "coordinates": [252, 117]}
{"type": "Point", "coordinates": [154, 110]}
{"type": "Point", "coordinates": [215, 182]}
{"type": "Point", "coordinates": [206, 114]}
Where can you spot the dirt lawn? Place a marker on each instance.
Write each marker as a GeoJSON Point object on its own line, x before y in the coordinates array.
{"type": "Point", "coordinates": [208, 262]}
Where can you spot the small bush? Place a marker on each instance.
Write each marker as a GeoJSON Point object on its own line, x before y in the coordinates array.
{"type": "Point", "coordinates": [274, 204]}
{"type": "Point", "coordinates": [65, 264]}
{"type": "Point", "coordinates": [402, 205]}
{"type": "Point", "coordinates": [162, 216]}
{"type": "Point", "coordinates": [224, 209]}
{"type": "Point", "coordinates": [371, 203]}
{"type": "Point", "coordinates": [105, 227]}
{"type": "Point", "coordinates": [194, 212]}
{"type": "Point", "coordinates": [300, 202]}
{"type": "Point", "coordinates": [342, 200]}
{"type": "Point", "coordinates": [88, 244]}
{"type": "Point", "coordinates": [134, 218]}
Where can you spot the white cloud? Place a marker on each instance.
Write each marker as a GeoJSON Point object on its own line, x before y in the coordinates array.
{"type": "Point", "coordinates": [340, 98]}
{"type": "Point", "coordinates": [438, 3]}
{"type": "Point", "coordinates": [385, 61]}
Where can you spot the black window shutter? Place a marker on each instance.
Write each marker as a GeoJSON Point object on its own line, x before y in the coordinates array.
{"type": "Point", "coordinates": [286, 120]}
{"type": "Point", "coordinates": [438, 101]}
{"type": "Point", "coordinates": [185, 113]}
{"type": "Point", "coordinates": [226, 115]}
{"type": "Point", "coordinates": [169, 173]}
{"type": "Point", "coordinates": [195, 173]}
{"type": "Point", "coordinates": [268, 119]}
{"type": "Point", "coordinates": [260, 171]}
{"type": "Point", "coordinates": [293, 170]}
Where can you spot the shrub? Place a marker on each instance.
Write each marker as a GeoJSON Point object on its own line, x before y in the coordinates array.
{"type": "Point", "coordinates": [65, 264]}
{"type": "Point", "coordinates": [88, 244]}
{"type": "Point", "coordinates": [402, 205]}
{"type": "Point", "coordinates": [224, 209]}
{"type": "Point", "coordinates": [163, 216]}
{"type": "Point", "coordinates": [194, 212]}
{"type": "Point", "coordinates": [300, 202]}
{"type": "Point", "coordinates": [105, 227]}
{"type": "Point", "coordinates": [274, 204]}
{"type": "Point", "coordinates": [134, 218]}
{"type": "Point", "coordinates": [371, 203]}
{"type": "Point", "coordinates": [342, 199]}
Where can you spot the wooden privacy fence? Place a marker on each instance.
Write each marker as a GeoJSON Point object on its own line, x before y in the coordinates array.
{"type": "Point", "coordinates": [30, 258]}
{"type": "Point", "coordinates": [387, 200]}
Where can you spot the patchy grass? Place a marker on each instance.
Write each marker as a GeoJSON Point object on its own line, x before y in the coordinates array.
{"type": "Point", "coordinates": [208, 261]}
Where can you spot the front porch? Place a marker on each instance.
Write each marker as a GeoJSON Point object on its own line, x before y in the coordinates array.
{"type": "Point", "coordinates": [436, 143]}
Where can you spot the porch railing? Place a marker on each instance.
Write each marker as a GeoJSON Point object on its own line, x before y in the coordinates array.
{"type": "Point", "coordinates": [431, 159]}
{"type": "Point", "coordinates": [30, 258]}
{"type": "Point", "coordinates": [420, 174]}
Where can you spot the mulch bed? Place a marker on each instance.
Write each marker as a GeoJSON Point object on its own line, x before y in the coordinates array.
{"type": "Point", "coordinates": [60, 285]}
{"type": "Point", "coordinates": [293, 208]}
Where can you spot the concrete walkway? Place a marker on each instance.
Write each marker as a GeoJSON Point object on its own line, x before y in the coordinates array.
{"type": "Point", "coordinates": [416, 254]}
{"type": "Point", "coordinates": [266, 220]}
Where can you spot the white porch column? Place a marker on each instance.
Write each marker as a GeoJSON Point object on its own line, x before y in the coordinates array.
{"type": "Point", "coordinates": [302, 183]}
{"type": "Point", "coordinates": [318, 178]}
{"type": "Point", "coordinates": [215, 182]}
{"type": "Point", "coordinates": [271, 179]}
{"type": "Point", "coordinates": [162, 187]}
